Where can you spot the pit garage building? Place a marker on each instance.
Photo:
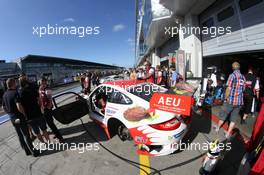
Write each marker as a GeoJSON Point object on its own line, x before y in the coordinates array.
{"type": "Point", "coordinates": [244, 44]}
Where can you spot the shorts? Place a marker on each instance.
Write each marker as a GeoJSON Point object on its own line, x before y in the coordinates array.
{"type": "Point", "coordinates": [37, 124]}
{"type": "Point", "coordinates": [228, 109]}
{"type": "Point", "coordinates": [248, 100]}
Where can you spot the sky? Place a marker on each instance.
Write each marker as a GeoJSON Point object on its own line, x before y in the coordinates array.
{"type": "Point", "coordinates": [20, 23]}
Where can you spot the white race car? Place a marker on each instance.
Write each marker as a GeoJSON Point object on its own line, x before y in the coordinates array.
{"type": "Point", "coordinates": [122, 108]}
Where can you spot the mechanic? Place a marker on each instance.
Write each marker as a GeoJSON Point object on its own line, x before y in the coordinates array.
{"type": "Point", "coordinates": [12, 106]}
{"type": "Point", "coordinates": [150, 72]}
{"type": "Point", "coordinates": [29, 100]}
{"type": "Point", "coordinates": [46, 107]}
{"type": "Point", "coordinates": [233, 99]}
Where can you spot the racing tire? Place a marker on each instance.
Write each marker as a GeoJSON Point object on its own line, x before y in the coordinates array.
{"type": "Point", "coordinates": [123, 133]}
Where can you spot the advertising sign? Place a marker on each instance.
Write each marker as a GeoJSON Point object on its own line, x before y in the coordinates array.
{"type": "Point", "coordinates": [171, 103]}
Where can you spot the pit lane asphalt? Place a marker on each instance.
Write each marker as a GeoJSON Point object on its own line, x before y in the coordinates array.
{"type": "Point", "coordinates": [99, 162]}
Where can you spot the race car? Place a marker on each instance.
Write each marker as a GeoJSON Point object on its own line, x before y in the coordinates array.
{"type": "Point", "coordinates": [123, 108]}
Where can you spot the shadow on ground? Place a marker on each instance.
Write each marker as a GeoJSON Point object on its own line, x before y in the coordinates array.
{"type": "Point", "coordinates": [200, 123]}
{"type": "Point", "coordinates": [78, 140]}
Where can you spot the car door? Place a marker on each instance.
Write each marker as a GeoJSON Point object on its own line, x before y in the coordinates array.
{"type": "Point", "coordinates": [69, 106]}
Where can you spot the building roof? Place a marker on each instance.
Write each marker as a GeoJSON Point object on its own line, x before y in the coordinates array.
{"type": "Point", "coordinates": [47, 59]}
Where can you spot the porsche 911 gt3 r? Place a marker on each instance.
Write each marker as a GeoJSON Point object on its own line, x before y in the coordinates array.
{"type": "Point", "coordinates": [122, 108]}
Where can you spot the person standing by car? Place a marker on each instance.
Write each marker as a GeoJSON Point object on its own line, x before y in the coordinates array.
{"type": "Point", "coordinates": [165, 76]}
{"type": "Point", "coordinates": [45, 99]}
{"type": "Point", "coordinates": [174, 77]}
{"type": "Point", "coordinates": [159, 80]}
{"type": "Point", "coordinates": [133, 74]}
{"type": "Point", "coordinates": [248, 94]}
{"type": "Point", "coordinates": [140, 74]}
{"type": "Point", "coordinates": [87, 83]}
{"type": "Point", "coordinates": [82, 81]}
{"type": "Point", "coordinates": [29, 100]}
{"type": "Point", "coordinates": [233, 98]}
{"type": "Point", "coordinates": [150, 72]}
{"type": "Point", "coordinates": [12, 106]}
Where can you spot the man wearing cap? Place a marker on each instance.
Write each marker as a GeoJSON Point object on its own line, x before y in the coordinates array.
{"type": "Point", "coordinates": [233, 98]}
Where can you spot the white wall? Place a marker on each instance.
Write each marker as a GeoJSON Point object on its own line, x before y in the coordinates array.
{"type": "Point", "coordinates": [191, 44]}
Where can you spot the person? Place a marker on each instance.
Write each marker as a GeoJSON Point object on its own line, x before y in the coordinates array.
{"type": "Point", "coordinates": [82, 81]}
{"type": "Point", "coordinates": [150, 72]}
{"type": "Point", "coordinates": [248, 94]}
{"type": "Point", "coordinates": [256, 97]}
{"type": "Point", "coordinates": [174, 77]}
{"type": "Point", "coordinates": [29, 100]}
{"type": "Point", "coordinates": [233, 99]}
{"type": "Point", "coordinates": [133, 74]}
{"type": "Point", "coordinates": [159, 79]}
{"type": "Point", "coordinates": [97, 79]}
{"type": "Point", "coordinates": [46, 107]}
{"type": "Point", "coordinates": [209, 96]}
{"type": "Point", "coordinates": [93, 78]}
{"type": "Point", "coordinates": [12, 106]}
{"type": "Point", "coordinates": [252, 162]}
{"type": "Point", "coordinates": [165, 75]}
{"type": "Point", "coordinates": [87, 83]}
{"type": "Point", "coordinates": [140, 74]}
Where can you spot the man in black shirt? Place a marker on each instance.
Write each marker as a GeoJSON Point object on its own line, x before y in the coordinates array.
{"type": "Point", "coordinates": [29, 100]}
{"type": "Point", "coordinates": [13, 107]}
{"type": "Point", "coordinates": [248, 94]}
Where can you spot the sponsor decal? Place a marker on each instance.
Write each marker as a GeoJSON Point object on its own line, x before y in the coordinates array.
{"type": "Point", "coordinates": [139, 139]}
{"type": "Point", "coordinates": [172, 103]}
{"type": "Point", "coordinates": [110, 112]}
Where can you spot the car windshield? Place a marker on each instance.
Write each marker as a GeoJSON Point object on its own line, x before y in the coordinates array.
{"type": "Point", "coordinates": [146, 91]}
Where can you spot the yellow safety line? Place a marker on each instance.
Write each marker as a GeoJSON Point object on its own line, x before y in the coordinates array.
{"type": "Point", "coordinates": [144, 160]}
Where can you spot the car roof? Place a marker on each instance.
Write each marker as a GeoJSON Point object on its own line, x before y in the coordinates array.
{"type": "Point", "coordinates": [124, 83]}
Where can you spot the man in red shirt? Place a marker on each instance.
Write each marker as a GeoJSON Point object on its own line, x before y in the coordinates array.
{"type": "Point", "coordinates": [150, 72]}
{"type": "Point", "coordinates": [46, 107]}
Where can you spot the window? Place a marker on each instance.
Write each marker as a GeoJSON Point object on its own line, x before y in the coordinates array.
{"type": "Point", "coordinates": [245, 4]}
{"type": "Point", "coordinates": [224, 14]}
{"type": "Point", "coordinates": [119, 98]}
{"type": "Point", "coordinates": [208, 23]}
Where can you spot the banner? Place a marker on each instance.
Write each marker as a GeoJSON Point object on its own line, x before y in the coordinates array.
{"type": "Point", "coordinates": [172, 103]}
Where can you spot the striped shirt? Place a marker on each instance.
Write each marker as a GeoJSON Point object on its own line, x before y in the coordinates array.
{"type": "Point", "coordinates": [236, 83]}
